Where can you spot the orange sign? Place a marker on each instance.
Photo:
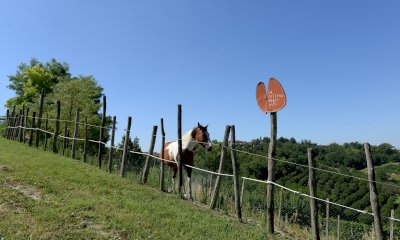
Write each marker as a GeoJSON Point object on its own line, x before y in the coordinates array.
{"type": "Point", "coordinates": [273, 99]}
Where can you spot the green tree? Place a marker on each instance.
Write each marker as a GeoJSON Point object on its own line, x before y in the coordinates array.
{"type": "Point", "coordinates": [81, 93]}
{"type": "Point", "coordinates": [31, 78]}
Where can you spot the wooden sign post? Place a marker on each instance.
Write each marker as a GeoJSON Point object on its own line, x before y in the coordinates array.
{"type": "Point", "coordinates": [271, 101]}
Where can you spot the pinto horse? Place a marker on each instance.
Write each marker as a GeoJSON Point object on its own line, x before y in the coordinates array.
{"type": "Point", "coordinates": [196, 136]}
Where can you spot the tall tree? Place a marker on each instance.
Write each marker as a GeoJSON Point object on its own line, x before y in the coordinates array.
{"type": "Point", "coordinates": [81, 93]}
{"type": "Point", "coordinates": [31, 78]}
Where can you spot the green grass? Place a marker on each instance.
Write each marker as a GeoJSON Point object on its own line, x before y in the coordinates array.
{"type": "Point", "coordinates": [47, 196]}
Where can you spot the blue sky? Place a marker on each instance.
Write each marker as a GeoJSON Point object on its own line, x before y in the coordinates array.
{"type": "Point", "coordinates": [338, 61]}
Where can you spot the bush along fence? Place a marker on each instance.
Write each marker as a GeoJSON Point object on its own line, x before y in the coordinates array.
{"type": "Point", "coordinates": [299, 213]}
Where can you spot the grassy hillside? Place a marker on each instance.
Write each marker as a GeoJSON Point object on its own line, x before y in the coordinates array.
{"type": "Point", "coordinates": [46, 196]}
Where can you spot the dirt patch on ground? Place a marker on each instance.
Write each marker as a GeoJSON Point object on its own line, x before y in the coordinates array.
{"type": "Point", "coordinates": [101, 231]}
{"type": "Point", "coordinates": [7, 207]}
{"type": "Point", "coordinates": [27, 191]}
{"type": "Point", "coordinates": [5, 169]}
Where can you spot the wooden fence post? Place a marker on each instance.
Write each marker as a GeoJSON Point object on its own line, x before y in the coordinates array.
{"type": "Point", "coordinates": [15, 126]}
{"type": "Point", "coordinates": [111, 152]}
{"type": "Point", "coordinates": [19, 129]}
{"type": "Point", "coordinates": [65, 140]}
{"type": "Point", "coordinates": [57, 127]}
{"type": "Point", "coordinates": [10, 130]}
{"type": "Point", "coordinates": [101, 137]}
{"type": "Point", "coordinates": [391, 235]}
{"type": "Point", "coordinates": [373, 193]}
{"type": "Point", "coordinates": [235, 175]}
{"type": "Point", "coordinates": [7, 122]}
{"type": "Point", "coordinates": [221, 166]}
{"type": "Point", "coordinates": [76, 129]}
{"type": "Point", "coordinates": [5, 133]}
{"type": "Point", "coordinates": [85, 145]}
{"type": "Point", "coordinates": [13, 123]}
{"type": "Point", "coordinates": [327, 219]}
{"type": "Point", "coordinates": [10, 124]}
{"type": "Point", "coordinates": [32, 127]}
{"type": "Point", "coordinates": [18, 126]}
{"type": "Point", "coordinates": [179, 157]}
{"type": "Point", "coordinates": [26, 124]}
{"type": "Point", "coordinates": [125, 152]}
{"type": "Point", "coordinates": [14, 129]}
{"type": "Point", "coordinates": [39, 122]}
{"type": "Point", "coordinates": [271, 174]}
{"type": "Point", "coordinates": [162, 156]}
{"type": "Point", "coordinates": [313, 202]}
{"type": "Point", "coordinates": [22, 124]}
{"type": "Point", "coordinates": [66, 131]}
{"type": "Point", "coordinates": [151, 149]}
{"type": "Point", "coordinates": [46, 128]}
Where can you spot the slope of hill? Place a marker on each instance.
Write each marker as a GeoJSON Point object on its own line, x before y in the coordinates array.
{"type": "Point", "coordinates": [46, 196]}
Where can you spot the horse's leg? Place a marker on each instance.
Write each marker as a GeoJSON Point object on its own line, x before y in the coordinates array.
{"type": "Point", "coordinates": [189, 173]}
{"type": "Point", "coordinates": [189, 176]}
{"type": "Point", "coordinates": [173, 178]}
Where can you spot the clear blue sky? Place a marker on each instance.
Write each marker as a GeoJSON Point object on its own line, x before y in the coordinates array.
{"type": "Point", "coordinates": [338, 61]}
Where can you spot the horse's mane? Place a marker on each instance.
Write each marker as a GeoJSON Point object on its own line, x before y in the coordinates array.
{"type": "Point", "coordinates": [189, 136]}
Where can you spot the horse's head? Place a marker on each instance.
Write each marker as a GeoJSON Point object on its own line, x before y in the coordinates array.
{"type": "Point", "coordinates": [203, 137]}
